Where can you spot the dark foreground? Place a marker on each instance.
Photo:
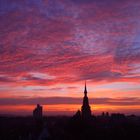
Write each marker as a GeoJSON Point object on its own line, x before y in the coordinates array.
{"type": "Point", "coordinates": [115, 127]}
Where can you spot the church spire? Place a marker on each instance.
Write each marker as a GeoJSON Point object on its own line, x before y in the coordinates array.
{"type": "Point", "coordinates": [86, 112]}
{"type": "Point", "coordinates": [85, 91]}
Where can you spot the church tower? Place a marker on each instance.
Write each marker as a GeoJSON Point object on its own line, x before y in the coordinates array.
{"type": "Point", "coordinates": [86, 112]}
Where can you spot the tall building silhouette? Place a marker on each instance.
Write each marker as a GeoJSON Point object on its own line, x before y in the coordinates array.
{"type": "Point", "coordinates": [37, 112]}
{"type": "Point", "coordinates": [86, 111]}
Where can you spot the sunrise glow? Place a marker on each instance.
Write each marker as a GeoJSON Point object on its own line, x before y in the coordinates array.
{"type": "Point", "coordinates": [48, 48]}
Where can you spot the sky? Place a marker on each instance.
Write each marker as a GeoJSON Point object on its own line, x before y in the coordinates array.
{"type": "Point", "coordinates": [48, 48]}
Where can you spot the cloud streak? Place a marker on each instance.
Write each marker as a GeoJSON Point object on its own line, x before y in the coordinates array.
{"type": "Point", "coordinates": [70, 100]}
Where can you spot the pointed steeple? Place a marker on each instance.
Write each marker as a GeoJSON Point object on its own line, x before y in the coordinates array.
{"type": "Point", "coordinates": [86, 111]}
{"type": "Point", "coordinates": [85, 91]}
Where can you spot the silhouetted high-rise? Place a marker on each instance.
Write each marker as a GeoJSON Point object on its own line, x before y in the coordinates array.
{"type": "Point", "coordinates": [37, 112]}
{"type": "Point", "coordinates": [86, 112]}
